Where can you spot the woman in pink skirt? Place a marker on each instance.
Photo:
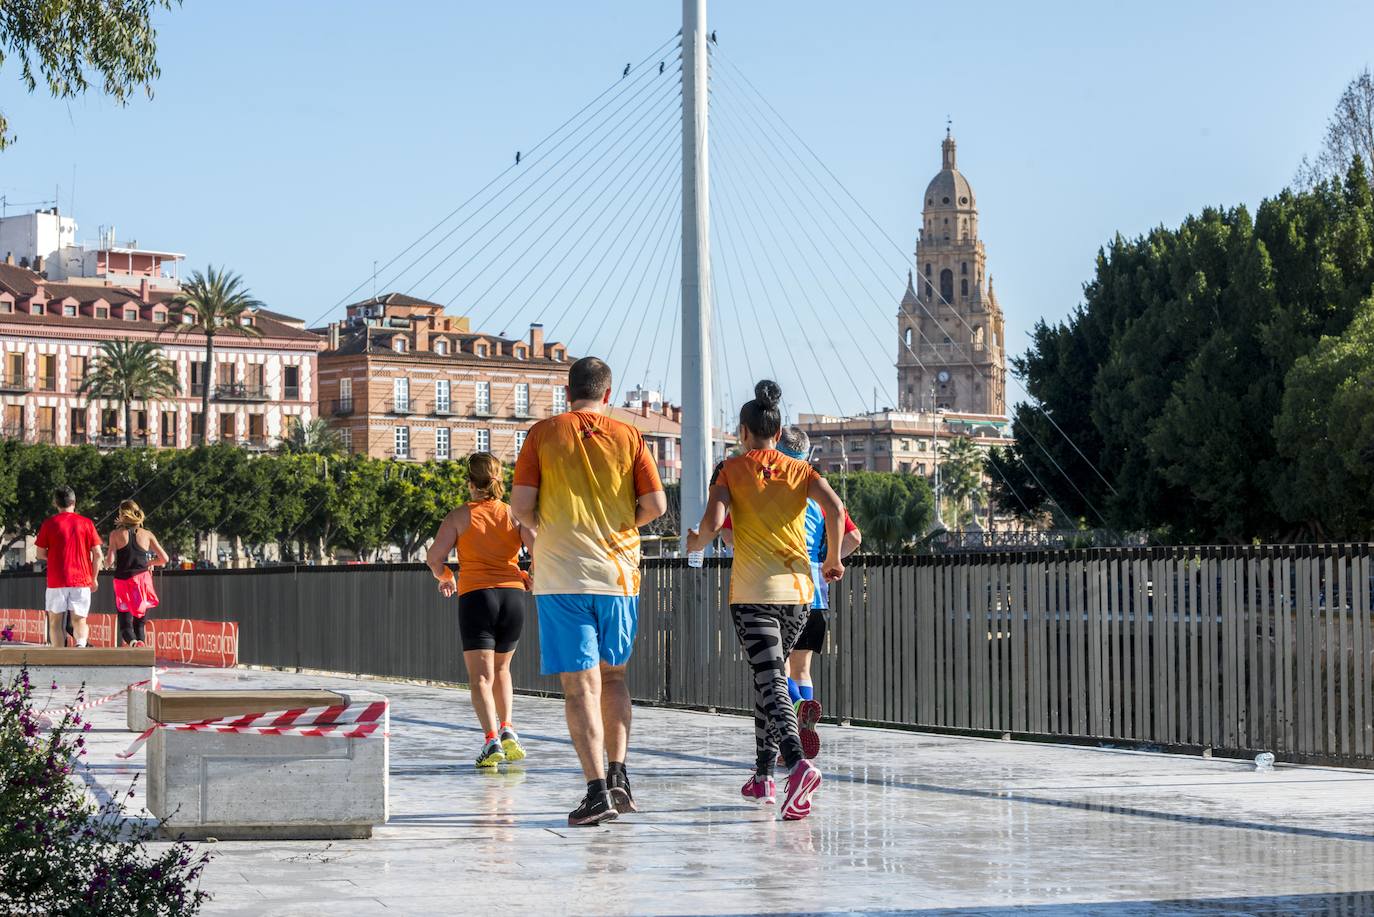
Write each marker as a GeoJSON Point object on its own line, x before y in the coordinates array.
{"type": "Point", "coordinates": [134, 551]}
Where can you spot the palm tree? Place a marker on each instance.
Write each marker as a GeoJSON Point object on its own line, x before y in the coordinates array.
{"type": "Point", "coordinates": [129, 371]}
{"type": "Point", "coordinates": [313, 437]}
{"type": "Point", "coordinates": [961, 476]}
{"type": "Point", "coordinates": [211, 304]}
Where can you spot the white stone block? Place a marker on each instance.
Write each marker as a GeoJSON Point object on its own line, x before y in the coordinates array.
{"type": "Point", "coordinates": [208, 784]}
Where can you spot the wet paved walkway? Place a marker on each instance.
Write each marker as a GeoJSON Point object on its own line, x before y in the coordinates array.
{"type": "Point", "coordinates": [905, 824]}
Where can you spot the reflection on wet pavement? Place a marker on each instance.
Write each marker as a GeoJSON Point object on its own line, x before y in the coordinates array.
{"type": "Point", "coordinates": [905, 824]}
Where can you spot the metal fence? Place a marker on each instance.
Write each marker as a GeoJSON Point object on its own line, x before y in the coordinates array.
{"type": "Point", "coordinates": [1234, 649]}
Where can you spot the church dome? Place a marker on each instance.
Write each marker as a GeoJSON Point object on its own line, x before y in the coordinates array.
{"type": "Point", "coordinates": [949, 188]}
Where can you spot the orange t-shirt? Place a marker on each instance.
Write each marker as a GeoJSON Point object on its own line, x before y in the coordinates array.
{"type": "Point", "coordinates": [489, 551]}
{"type": "Point", "coordinates": [591, 471]}
{"type": "Point", "coordinates": [768, 493]}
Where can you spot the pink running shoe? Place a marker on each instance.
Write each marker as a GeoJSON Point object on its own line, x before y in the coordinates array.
{"type": "Point", "coordinates": [763, 791]}
{"type": "Point", "coordinates": [808, 715]}
{"type": "Point", "coordinates": [804, 780]}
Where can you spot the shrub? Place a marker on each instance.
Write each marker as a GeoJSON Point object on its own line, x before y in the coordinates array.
{"type": "Point", "coordinates": [60, 853]}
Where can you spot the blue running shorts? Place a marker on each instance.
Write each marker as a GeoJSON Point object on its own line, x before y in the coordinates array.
{"type": "Point", "coordinates": [577, 631]}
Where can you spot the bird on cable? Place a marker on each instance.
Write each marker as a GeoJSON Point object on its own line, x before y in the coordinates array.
{"type": "Point", "coordinates": [517, 157]}
{"type": "Point", "coordinates": [660, 66]}
{"type": "Point", "coordinates": [626, 72]}
{"type": "Point", "coordinates": [713, 37]}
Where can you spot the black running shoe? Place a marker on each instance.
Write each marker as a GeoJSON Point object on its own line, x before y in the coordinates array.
{"type": "Point", "coordinates": [593, 811]}
{"type": "Point", "coordinates": [621, 796]}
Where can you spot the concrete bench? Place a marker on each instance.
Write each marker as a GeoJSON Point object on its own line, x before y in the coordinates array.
{"type": "Point", "coordinates": [244, 786]}
{"type": "Point", "coordinates": [102, 669]}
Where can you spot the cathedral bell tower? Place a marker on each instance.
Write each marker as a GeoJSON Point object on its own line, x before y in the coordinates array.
{"type": "Point", "coordinates": [950, 353]}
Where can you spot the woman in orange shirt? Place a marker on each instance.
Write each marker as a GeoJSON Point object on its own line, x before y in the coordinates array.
{"type": "Point", "coordinates": [771, 585]}
{"type": "Point", "coordinates": [492, 595]}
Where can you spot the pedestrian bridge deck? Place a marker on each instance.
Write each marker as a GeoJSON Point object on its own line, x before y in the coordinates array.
{"type": "Point", "coordinates": [905, 823]}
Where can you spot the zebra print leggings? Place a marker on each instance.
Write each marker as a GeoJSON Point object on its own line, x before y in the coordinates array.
{"type": "Point", "coordinates": [767, 633]}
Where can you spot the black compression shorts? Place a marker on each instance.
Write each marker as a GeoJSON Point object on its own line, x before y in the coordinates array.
{"type": "Point", "coordinates": [813, 635]}
{"type": "Point", "coordinates": [491, 619]}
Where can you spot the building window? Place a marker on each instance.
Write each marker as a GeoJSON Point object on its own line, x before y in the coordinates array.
{"type": "Point", "coordinates": [520, 440]}
{"type": "Point", "coordinates": [346, 439]}
{"type": "Point", "coordinates": [198, 375]}
{"type": "Point", "coordinates": [402, 442]}
{"type": "Point", "coordinates": [109, 422]}
{"type": "Point", "coordinates": [400, 395]}
{"type": "Point", "coordinates": [560, 399]}
{"type": "Point", "coordinates": [442, 399]}
{"type": "Point", "coordinates": [441, 348]}
{"type": "Point", "coordinates": [483, 401]}
{"type": "Point", "coordinates": [47, 425]}
{"type": "Point", "coordinates": [345, 396]}
{"type": "Point", "coordinates": [77, 428]}
{"type": "Point", "coordinates": [522, 399]}
{"type": "Point", "coordinates": [246, 320]}
{"type": "Point", "coordinates": [197, 426]}
{"type": "Point", "coordinates": [257, 429]}
{"type": "Point", "coordinates": [963, 288]}
{"type": "Point", "coordinates": [7, 306]}
{"type": "Point", "coordinates": [47, 372]}
{"type": "Point", "coordinates": [130, 314]}
{"type": "Point", "coordinates": [228, 427]}
{"type": "Point", "coordinates": [160, 316]}
{"type": "Point", "coordinates": [483, 440]}
{"type": "Point", "coordinates": [69, 311]}
{"type": "Point", "coordinates": [35, 308]}
{"type": "Point", "coordinates": [291, 383]}
{"type": "Point", "coordinates": [519, 351]}
{"type": "Point", "coordinates": [168, 428]}
{"type": "Point", "coordinates": [963, 268]}
{"type": "Point", "coordinates": [947, 285]}
{"type": "Point", "coordinates": [441, 440]}
{"type": "Point", "coordinates": [556, 354]}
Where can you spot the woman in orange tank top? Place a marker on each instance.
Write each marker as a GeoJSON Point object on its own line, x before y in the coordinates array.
{"type": "Point", "coordinates": [492, 594]}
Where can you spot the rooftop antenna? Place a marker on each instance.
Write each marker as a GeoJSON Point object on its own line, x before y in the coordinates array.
{"type": "Point", "coordinates": [374, 278]}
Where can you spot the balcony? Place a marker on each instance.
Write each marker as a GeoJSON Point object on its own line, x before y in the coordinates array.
{"type": "Point", "coordinates": [401, 406]}
{"type": "Point", "coordinates": [342, 407]}
{"type": "Point", "coordinates": [255, 443]}
{"type": "Point", "coordinates": [523, 414]}
{"type": "Point", "coordinates": [74, 383]}
{"type": "Point", "coordinates": [442, 409]}
{"type": "Point", "coordinates": [240, 391]}
{"type": "Point", "coordinates": [79, 438]}
{"type": "Point", "coordinates": [291, 392]}
{"type": "Point", "coordinates": [116, 440]}
{"type": "Point", "coordinates": [13, 383]}
{"type": "Point", "coordinates": [482, 410]}
{"type": "Point", "coordinates": [47, 383]}
{"type": "Point", "coordinates": [197, 389]}
{"type": "Point", "coordinates": [45, 436]}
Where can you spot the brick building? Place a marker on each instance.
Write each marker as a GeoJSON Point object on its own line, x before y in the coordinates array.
{"type": "Point", "coordinates": [401, 379]}
{"type": "Point", "coordinates": [901, 441]}
{"type": "Point", "coordinates": [50, 332]}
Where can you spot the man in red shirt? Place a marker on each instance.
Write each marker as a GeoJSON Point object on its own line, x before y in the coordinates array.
{"type": "Point", "coordinates": [70, 545]}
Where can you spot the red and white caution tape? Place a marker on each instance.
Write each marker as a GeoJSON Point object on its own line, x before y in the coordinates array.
{"type": "Point", "coordinates": [344, 721]}
{"type": "Point", "coordinates": [46, 716]}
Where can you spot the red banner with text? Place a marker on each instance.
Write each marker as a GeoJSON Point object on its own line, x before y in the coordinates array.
{"type": "Point", "coordinates": [180, 641]}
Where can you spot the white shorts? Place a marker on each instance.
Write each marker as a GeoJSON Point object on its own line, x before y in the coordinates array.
{"type": "Point", "coordinates": [76, 599]}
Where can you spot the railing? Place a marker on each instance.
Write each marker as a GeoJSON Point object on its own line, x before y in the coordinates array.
{"type": "Point", "coordinates": [47, 383]}
{"type": "Point", "coordinates": [442, 409]}
{"type": "Point", "coordinates": [116, 440]}
{"type": "Point", "coordinates": [45, 436]}
{"type": "Point", "coordinates": [79, 437]}
{"type": "Point", "coordinates": [240, 391]}
{"type": "Point", "coordinates": [1236, 650]}
{"type": "Point", "coordinates": [482, 411]}
{"type": "Point", "coordinates": [12, 431]}
{"type": "Point", "coordinates": [197, 389]}
{"type": "Point", "coordinates": [291, 392]}
{"type": "Point", "coordinates": [255, 443]}
{"type": "Point", "coordinates": [401, 406]}
{"type": "Point", "coordinates": [14, 383]}
{"type": "Point", "coordinates": [342, 407]}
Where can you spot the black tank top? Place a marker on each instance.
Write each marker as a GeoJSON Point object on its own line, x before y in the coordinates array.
{"type": "Point", "coordinates": [130, 560]}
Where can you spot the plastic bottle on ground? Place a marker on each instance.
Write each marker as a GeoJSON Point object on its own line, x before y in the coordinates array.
{"type": "Point", "coordinates": [1264, 761]}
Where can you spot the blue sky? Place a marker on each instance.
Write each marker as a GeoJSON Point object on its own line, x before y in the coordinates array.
{"type": "Point", "coordinates": [297, 142]}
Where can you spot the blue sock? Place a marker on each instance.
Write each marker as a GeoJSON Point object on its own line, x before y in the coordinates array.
{"type": "Point", "coordinates": [806, 692]}
{"type": "Point", "coordinates": [793, 691]}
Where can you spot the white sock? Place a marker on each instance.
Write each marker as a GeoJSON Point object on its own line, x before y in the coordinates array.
{"type": "Point", "coordinates": [81, 643]}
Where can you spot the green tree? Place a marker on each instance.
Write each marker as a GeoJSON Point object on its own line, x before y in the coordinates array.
{"type": "Point", "coordinates": [128, 371]}
{"type": "Point", "coordinates": [420, 497]}
{"type": "Point", "coordinates": [313, 437]}
{"type": "Point", "coordinates": [66, 43]}
{"type": "Point", "coordinates": [961, 478]}
{"type": "Point", "coordinates": [891, 510]}
{"type": "Point", "coordinates": [212, 304]}
{"type": "Point", "coordinates": [1325, 432]}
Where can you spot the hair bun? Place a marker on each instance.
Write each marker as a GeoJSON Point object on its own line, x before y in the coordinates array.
{"type": "Point", "coordinates": [768, 392]}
